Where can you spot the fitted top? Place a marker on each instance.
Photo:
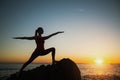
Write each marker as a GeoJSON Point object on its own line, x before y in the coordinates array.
{"type": "Point", "coordinates": [40, 43]}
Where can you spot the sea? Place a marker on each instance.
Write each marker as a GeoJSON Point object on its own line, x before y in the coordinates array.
{"type": "Point", "coordinates": [6, 69]}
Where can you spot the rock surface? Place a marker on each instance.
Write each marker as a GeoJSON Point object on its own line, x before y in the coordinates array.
{"type": "Point", "coordinates": [64, 69]}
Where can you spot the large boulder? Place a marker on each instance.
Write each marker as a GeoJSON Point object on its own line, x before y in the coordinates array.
{"type": "Point", "coordinates": [64, 69]}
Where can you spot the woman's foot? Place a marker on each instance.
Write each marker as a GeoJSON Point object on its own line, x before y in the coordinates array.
{"type": "Point", "coordinates": [54, 62]}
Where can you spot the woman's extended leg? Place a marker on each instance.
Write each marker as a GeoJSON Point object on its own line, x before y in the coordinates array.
{"type": "Point", "coordinates": [33, 56]}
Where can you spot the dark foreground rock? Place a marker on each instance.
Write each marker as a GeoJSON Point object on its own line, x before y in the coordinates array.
{"type": "Point", "coordinates": [65, 69]}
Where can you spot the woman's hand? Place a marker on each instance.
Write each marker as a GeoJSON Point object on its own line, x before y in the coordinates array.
{"type": "Point", "coordinates": [60, 32]}
{"type": "Point", "coordinates": [15, 37]}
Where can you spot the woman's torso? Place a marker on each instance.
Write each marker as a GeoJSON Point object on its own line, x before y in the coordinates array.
{"type": "Point", "coordinates": [40, 43]}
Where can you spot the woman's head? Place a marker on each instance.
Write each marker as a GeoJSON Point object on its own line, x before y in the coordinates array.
{"type": "Point", "coordinates": [40, 30]}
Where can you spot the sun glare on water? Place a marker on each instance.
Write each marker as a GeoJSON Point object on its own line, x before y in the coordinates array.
{"type": "Point", "coordinates": [99, 61]}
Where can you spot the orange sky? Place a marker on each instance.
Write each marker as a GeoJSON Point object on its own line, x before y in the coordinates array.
{"type": "Point", "coordinates": [91, 29]}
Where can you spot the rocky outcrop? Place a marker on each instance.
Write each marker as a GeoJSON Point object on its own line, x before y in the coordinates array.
{"type": "Point", "coordinates": [64, 69]}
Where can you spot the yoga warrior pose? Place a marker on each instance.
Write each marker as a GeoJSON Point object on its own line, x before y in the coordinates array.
{"type": "Point", "coordinates": [40, 50]}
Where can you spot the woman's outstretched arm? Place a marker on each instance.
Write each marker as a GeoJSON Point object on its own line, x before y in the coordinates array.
{"type": "Point", "coordinates": [46, 37]}
{"type": "Point", "coordinates": [27, 38]}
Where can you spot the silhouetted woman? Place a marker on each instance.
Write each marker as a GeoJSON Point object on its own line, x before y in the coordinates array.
{"type": "Point", "coordinates": [40, 50]}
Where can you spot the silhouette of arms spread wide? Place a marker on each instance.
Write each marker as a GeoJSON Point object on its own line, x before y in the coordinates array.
{"type": "Point", "coordinates": [33, 37]}
{"type": "Point", "coordinates": [28, 38]}
{"type": "Point", "coordinates": [46, 37]}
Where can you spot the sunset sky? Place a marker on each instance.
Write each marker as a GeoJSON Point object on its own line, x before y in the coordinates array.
{"type": "Point", "coordinates": [91, 29]}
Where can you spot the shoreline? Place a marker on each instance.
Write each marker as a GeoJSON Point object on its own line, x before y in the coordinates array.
{"type": "Point", "coordinates": [86, 71]}
{"type": "Point", "coordinates": [100, 77]}
{"type": "Point", "coordinates": [88, 77]}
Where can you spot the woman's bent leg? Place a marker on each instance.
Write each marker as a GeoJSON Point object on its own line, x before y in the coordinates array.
{"type": "Point", "coordinates": [53, 53]}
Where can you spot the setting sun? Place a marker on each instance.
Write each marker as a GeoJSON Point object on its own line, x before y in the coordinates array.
{"type": "Point", "coordinates": [99, 61]}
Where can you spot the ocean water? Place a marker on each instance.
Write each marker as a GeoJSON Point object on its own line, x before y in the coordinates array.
{"type": "Point", "coordinates": [96, 69]}
{"type": "Point", "coordinates": [86, 69]}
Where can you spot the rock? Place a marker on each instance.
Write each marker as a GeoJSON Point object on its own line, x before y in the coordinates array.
{"type": "Point", "coordinates": [64, 69]}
